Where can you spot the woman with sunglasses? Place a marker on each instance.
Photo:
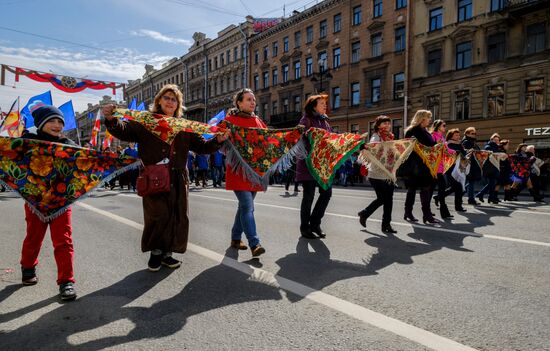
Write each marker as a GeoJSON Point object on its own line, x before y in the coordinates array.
{"type": "Point", "coordinates": [165, 215]}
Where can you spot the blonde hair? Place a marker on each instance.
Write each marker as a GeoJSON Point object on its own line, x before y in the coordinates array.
{"type": "Point", "coordinates": [419, 116]}
{"type": "Point", "coordinates": [155, 106]}
{"type": "Point", "coordinates": [495, 135]}
{"type": "Point", "coordinates": [469, 130]}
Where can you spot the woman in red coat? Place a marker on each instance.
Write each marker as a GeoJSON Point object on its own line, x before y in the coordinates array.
{"type": "Point", "coordinates": [243, 116]}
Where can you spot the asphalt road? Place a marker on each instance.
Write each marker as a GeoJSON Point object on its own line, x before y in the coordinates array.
{"type": "Point", "coordinates": [479, 282]}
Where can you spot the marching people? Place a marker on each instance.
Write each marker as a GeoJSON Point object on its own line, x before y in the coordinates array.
{"type": "Point", "coordinates": [132, 174]}
{"type": "Point", "coordinates": [504, 179]}
{"type": "Point", "coordinates": [453, 142]}
{"type": "Point", "coordinates": [49, 122]}
{"type": "Point", "coordinates": [166, 221]}
{"type": "Point", "coordinates": [315, 110]}
{"type": "Point", "coordinates": [383, 188]}
{"type": "Point", "coordinates": [423, 180]}
{"type": "Point", "coordinates": [534, 175]}
{"type": "Point", "coordinates": [470, 145]}
{"type": "Point", "coordinates": [243, 115]}
{"type": "Point", "coordinates": [439, 128]}
{"type": "Point", "coordinates": [490, 173]}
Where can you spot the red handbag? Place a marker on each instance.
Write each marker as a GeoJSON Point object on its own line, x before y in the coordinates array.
{"type": "Point", "coordinates": [153, 179]}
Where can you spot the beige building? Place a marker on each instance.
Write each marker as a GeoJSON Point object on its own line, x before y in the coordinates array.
{"type": "Point", "coordinates": [352, 50]}
{"type": "Point", "coordinates": [145, 88]}
{"type": "Point", "coordinates": [484, 64]}
{"type": "Point", "coordinates": [215, 69]}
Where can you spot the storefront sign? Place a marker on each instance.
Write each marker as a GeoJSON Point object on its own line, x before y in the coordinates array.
{"type": "Point", "coordinates": [538, 131]}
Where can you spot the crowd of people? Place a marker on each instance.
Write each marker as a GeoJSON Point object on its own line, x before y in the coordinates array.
{"type": "Point", "coordinates": [191, 159]}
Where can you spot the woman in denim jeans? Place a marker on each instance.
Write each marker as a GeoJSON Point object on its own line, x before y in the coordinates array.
{"type": "Point", "coordinates": [243, 116]}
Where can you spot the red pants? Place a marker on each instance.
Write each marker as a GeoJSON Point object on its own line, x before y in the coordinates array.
{"type": "Point", "coordinates": [61, 230]}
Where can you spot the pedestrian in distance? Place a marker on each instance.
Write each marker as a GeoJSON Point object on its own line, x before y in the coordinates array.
{"type": "Point", "coordinates": [315, 115]}
{"type": "Point", "coordinates": [49, 122]}
{"type": "Point", "coordinates": [382, 187]}
{"type": "Point", "coordinates": [242, 115]}
{"type": "Point", "coordinates": [166, 221]}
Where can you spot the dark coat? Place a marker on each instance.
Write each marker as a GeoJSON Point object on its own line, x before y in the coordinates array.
{"type": "Point", "coordinates": [417, 173]}
{"type": "Point", "coordinates": [166, 221]}
{"type": "Point", "coordinates": [475, 171]}
{"type": "Point", "coordinates": [310, 121]}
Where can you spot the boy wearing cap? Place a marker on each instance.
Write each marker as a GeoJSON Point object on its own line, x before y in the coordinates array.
{"type": "Point", "coordinates": [49, 122]}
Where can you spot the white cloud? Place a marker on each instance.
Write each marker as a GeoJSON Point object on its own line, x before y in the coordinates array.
{"type": "Point", "coordinates": [114, 65]}
{"type": "Point", "coordinates": [160, 37]}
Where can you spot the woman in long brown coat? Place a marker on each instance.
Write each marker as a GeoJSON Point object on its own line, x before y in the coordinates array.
{"type": "Point", "coordinates": [166, 221]}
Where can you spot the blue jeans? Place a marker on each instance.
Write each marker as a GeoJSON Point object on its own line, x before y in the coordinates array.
{"type": "Point", "coordinates": [244, 219]}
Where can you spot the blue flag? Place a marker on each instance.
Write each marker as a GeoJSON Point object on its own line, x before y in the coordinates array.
{"type": "Point", "coordinates": [68, 113]}
{"type": "Point", "coordinates": [91, 115]}
{"type": "Point", "coordinates": [45, 98]}
{"type": "Point", "coordinates": [213, 122]}
{"type": "Point", "coordinates": [132, 105]}
{"type": "Point", "coordinates": [141, 107]}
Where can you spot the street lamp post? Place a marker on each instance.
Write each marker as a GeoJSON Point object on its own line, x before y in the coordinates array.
{"type": "Point", "coordinates": [323, 72]}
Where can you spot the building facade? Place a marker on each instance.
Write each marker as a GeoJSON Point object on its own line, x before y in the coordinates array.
{"type": "Point", "coordinates": [145, 88]}
{"type": "Point", "coordinates": [352, 50]}
{"type": "Point", "coordinates": [484, 64]}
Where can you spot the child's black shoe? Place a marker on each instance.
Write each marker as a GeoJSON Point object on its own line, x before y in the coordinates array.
{"type": "Point", "coordinates": [28, 276]}
{"type": "Point", "coordinates": [67, 291]}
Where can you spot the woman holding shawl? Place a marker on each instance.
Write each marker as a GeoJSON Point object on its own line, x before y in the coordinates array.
{"type": "Point", "coordinates": [377, 178]}
{"type": "Point", "coordinates": [242, 115]}
{"type": "Point", "coordinates": [439, 128]}
{"type": "Point", "coordinates": [310, 221]}
{"type": "Point", "coordinates": [423, 180]}
{"type": "Point", "coordinates": [165, 215]}
{"type": "Point", "coordinates": [453, 142]}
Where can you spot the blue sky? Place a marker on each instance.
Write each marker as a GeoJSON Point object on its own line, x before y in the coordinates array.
{"type": "Point", "coordinates": [110, 40]}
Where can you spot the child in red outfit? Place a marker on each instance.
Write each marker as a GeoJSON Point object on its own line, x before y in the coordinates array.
{"type": "Point", "coordinates": [49, 123]}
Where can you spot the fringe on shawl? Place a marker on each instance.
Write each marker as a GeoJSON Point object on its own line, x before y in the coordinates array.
{"type": "Point", "coordinates": [63, 209]}
{"type": "Point", "coordinates": [366, 156]}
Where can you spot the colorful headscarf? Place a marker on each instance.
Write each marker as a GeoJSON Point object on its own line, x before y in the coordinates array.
{"type": "Point", "coordinates": [52, 176]}
{"type": "Point", "coordinates": [258, 153]}
{"type": "Point", "coordinates": [328, 152]}
{"type": "Point", "coordinates": [387, 155]}
{"type": "Point", "coordinates": [164, 127]}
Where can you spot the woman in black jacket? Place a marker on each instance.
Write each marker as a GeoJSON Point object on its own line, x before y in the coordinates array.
{"type": "Point", "coordinates": [423, 180]}
{"type": "Point", "coordinates": [453, 142]}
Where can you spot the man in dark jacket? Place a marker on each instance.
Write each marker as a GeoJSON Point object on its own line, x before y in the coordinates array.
{"type": "Point", "coordinates": [470, 142]}
{"type": "Point", "coordinates": [490, 173]}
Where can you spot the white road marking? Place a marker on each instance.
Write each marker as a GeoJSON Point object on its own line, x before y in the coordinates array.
{"type": "Point", "coordinates": [392, 325]}
{"type": "Point", "coordinates": [426, 227]}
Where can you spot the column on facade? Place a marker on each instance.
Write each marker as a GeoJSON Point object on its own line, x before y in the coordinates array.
{"type": "Point", "coordinates": [448, 55]}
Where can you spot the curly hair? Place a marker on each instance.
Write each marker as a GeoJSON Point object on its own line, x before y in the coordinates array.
{"type": "Point", "coordinates": [155, 106]}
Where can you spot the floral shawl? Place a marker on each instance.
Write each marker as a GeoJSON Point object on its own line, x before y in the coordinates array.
{"type": "Point", "coordinates": [387, 155]}
{"type": "Point", "coordinates": [164, 127]}
{"type": "Point", "coordinates": [433, 156]}
{"type": "Point", "coordinates": [328, 152]}
{"type": "Point", "coordinates": [51, 176]}
{"type": "Point", "coordinates": [258, 153]}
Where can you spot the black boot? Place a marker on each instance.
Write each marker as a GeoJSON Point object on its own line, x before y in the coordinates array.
{"type": "Point", "coordinates": [444, 210]}
{"type": "Point", "coordinates": [535, 195]}
{"type": "Point", "coordinates": [363, 216]}
{"type": "Point", "coordinates": [386, 228]}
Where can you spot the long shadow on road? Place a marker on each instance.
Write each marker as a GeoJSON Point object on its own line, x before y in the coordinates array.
{"type": "Point", "coordinates": [211, 289]}
{"type": "Point", "coordinates": [314, 268]}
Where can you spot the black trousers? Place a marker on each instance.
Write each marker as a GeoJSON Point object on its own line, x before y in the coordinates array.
{"type": "Point", "coordinates": [384, 197]}
{"type": "Point", "coordinates": [308, 218]}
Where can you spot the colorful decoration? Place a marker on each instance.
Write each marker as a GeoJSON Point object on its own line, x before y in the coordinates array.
{"type": "Point", "coordinates": [107, 140]}
{"type": "Point", "coordinates": [52, 176]}
{"type": "Point", "coordinates": [328, 152]}
{"type": "Point", "coordinates": [12, 122]}
{"type": "Point", "coordinates": [258, 153]}
{"type": "Point", "coordinates": [67, 84]}
{"type": "Point", "coordinates": [95, 131]}
{"type": "Point", "coordinates": [433, 156]}
{"type": "Point", "coordinates": [521, 166]}
{"type": "Point", "coordinates": [387, 155]}
{"type": "Point", "coordinates": [164, 127]}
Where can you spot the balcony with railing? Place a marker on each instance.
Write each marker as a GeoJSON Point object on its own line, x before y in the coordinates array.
{"type": "Point", "coordinates": [519, 6]}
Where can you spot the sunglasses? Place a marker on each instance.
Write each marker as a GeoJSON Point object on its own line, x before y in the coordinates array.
{"type": "Point", "coordinates": [169, 98]}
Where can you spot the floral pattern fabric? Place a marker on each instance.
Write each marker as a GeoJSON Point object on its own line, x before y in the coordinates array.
{"type": "Point", "coordinates": [387, 155]}
{"type": "Point", "coordinates": [52, 176]}
{"type": "Point", "coordinates": [433, 156]}
{"type": "Point", "coordinates": [164, 127]}
{"type": "Point", "coordinates": [328, 152]}
{"type": "Point", "coordinates": [521, 166]}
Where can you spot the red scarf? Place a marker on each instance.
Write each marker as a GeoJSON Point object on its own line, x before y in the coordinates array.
{"type": "Point", "coordinates": [385, 135]}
